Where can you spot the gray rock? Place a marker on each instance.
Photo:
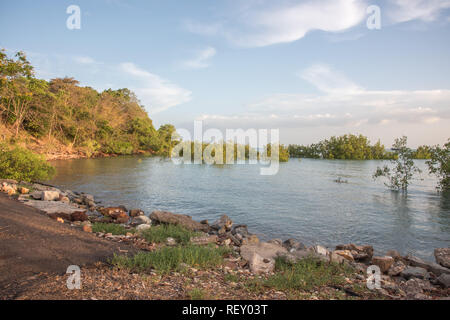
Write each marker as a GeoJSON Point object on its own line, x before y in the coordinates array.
{"type": "Point", "coordinates": [414, 272]}
{"type": "Point", "coordinates": [442, 256]}
{"type": "Point", "coordinates": [171, 241]}
{"type": "Point", "coordinates": [140, 220]}
{"type": "Point", "coordinates": [224, 222]}
{"type": "Point", "coordinates": [430, 266]}
{"type": "Point", "coordinates": [444, 280]}
{"type": "Point", "coordinates": [50, 195]}
{"type": "Point", "coordinates": [259, 264]}
{"type": "Point", "coordinates": [264, 249]}
{"type": "Point", "coordinates": [290, 244]}
{"type": "Point", "coordinates": [53, 206]}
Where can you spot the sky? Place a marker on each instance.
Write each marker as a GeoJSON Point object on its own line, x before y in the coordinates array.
{"type": "Point", "coordinates": [311, 69]}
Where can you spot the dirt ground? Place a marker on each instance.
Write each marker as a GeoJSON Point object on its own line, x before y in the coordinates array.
{"type": "Point", "coordinates": [33, 246]}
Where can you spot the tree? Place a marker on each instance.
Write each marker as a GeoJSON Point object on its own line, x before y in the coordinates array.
{"type": "Point", "coordinates": [404, 169]}
{"type": "Point", "coordinates": [439, 165]}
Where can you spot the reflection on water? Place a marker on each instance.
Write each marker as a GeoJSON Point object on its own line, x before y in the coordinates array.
{"type": "Point", "coordinates": [302, 201]}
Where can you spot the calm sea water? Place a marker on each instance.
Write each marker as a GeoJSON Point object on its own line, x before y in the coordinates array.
{"type": "Point", "coordinates": [302, 201]}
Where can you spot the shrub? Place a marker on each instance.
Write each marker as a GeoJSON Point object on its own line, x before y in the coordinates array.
{"type": "Point", "coordinates": [171, 258]}
{"type": "Point", "coordinates": [439, 165]}
{"type": "Point", "coordinates": [160, 233]}
{"type": "Point", "coordinates": [23, 165]}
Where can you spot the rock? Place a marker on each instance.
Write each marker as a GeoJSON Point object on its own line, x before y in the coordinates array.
{"type": "Point", "coordinates": [24, 190]}
{"type": "Point", "coordinates": [334, 257]}
{"type": "Point", "coordinates": [234, 239]}
{"type": "Point", "coordinates": [136, 213]}
{"type": "Point", "coordinates": [260, 265]}
{"type": "Point", "coordinates": [226, 242]}
{"type": "Point", "coordinates": [60, 220]}
{"type": "Point", "coordinates": [137, 220]}
{"type": "Point", "coordinates": [224, 222]}
{"type": "Point", "coordinates": [430, 266]}
{"type": "Point", "coordinates": [442, 256]}
{"type": "Point", "coordinates": [396, 268]}
{"type": "Point", "coordinates": [204, 221]}
{"type": "Point", "coordinates": [276, 241]}
{"type": "Point", "coordinates": [111, 211]}
{"type": "Point", "coordinates": [87, 198]}
{"type": "Point", "coordinates": [383, 262]}
{"type": "Point", "coordinates": [171, 241]}
{"type": "Point", "coordinates": [359, 253]}
{"type": "Point", "coordinates": [143, 227]}
{"type": "Point", "coordinates": [292, 244]}
{"type": "Point", "coordinates": [87, 228]}
{"type": "Point", "coordinates": [394, 254]}
{"type": "Point", "coordinates": [414, 288]}
{"type": "Point", "coordinates": [321, 250]}
{"type": "Point", "coordinates": [346, 254]}
{"type": "Point", "coordinates": [264, 249]}
{"type": "Point", "coordinates": [178, 219]}
{"type": "Point", "coordinates": [79, 216]}
{"type": "Point", "coordinates": [206, 239]}
{"type": "Point", "coordinates": [252, 239]}
{"type": "Point", "coordinates": [444, 280]}
{"type": "Point", "coordinates": [60, 215]}
{"type": "Point", "coordinates": [121, 217]}
{"type": "Point", "coordinates": [64, 199]}
{"type": "Point", "coordinates": [49, 195]}
{"type": "Point", "coordinates": [414, 272]}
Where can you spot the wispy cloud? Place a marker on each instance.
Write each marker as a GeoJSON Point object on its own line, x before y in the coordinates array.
{"type": "Point", "coordinates": [339, 103]}
{"type": "Point", "coordinates": [156, 93]}
{"type": "Point", "coordinates": [424, 10]}
{"type": "Point", "coordinates": [202, 60]}
{"type": "Point", "coordinates": [267, 23]}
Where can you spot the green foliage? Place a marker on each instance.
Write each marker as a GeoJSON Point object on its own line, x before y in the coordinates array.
{"type": "Point", "coordinates": [197, 294]}
{"type": "Point", "coordinates": [115, 229]}
{"type": "Point", "coordinates": [439, 165]}
{"type": "Point", "coordinates": [305, 274]}
{"type": "Point", "coordinates": [23, 165]}
{"type": "Point", "coordinates": [404, 169]}
{"type": "Point", "coordinates": [346, 147]}
{"type": "Point", "coordinates": [422, 152]}
{"type": "Point", "coordinates": [159, 234]}
{"type": "Point", "coordinates": [112, 121]}
{"type": "Point", "coordinates": [169, 259]}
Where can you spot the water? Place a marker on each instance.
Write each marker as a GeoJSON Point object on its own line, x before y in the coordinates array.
{"type": "Point", "coordinates": [302, 201]}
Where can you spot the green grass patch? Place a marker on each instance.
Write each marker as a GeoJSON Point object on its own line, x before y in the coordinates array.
{"type": "Point", "coordinates": [306, 274]}
{"type": "Point", "coordinates": [169, 259]}
{"type": "Point", "coordinates": [197, 294]}
{"type": "Point", "coordinates": [160, 233]}
{"type": "Point", "coordinates": [115, 229]}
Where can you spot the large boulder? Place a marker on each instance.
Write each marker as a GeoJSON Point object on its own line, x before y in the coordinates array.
{"type": "Point", "coordinates": [178, 219]}
{"type": "Point", "coordinates": [264, 249]}
{"type": "Point", "coordinates": [442, 256]}
{"type": "Point", "coordinates": [444, 280]}
{"type": "Point", "coordinates": [414, 272]}
{"type": "Point", "coordinates": [430, 266]}
{"type": "Point", "coordinates": [259, 265]}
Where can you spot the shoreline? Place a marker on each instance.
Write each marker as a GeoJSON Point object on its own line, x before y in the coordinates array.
{"type": "Point", "coordinates": [79, 210]}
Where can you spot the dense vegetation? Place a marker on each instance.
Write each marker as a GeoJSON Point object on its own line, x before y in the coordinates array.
{"type": "Point", "coordinates": [23, 165]}
{"type": "Point", "coordinates": [439, 165]}
{"type": "Point", "coordinates": [79, 118]}
{"type": "Point", "coordinates": [350, 147]}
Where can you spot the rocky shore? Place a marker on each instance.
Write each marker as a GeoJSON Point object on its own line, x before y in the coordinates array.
{"type": "Point", "coordinates": [401, 277]}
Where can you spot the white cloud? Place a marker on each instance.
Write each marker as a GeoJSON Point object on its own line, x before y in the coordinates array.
{"type": "Point", "coordinates": [84, 60]}
{"type": "Point", "coordinates": [156, 93]}
{"type": "Point", "coordinates": [202, 60]}
{"type": "Point", "coordinates": [424, 10]}
{"type": "Point", "coordinates": [256, 27]}
{"type": "Point", "coordinates": [340, 103]}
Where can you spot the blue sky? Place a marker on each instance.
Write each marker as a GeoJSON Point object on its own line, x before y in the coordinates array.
{"type": "Point", "coordinates": [310, 68]}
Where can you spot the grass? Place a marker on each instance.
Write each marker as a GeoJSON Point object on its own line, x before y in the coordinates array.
{"type": "Point", "coordinates": [197, 294]}
{"type": "Point", "coordinates": [160, 233]}
{"type": "Point", "coordinates": [306, 274]}
{"type": "Point", "coordinates": [169, 259]}
{"type": "Point", "coordinates": [115, 229]}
